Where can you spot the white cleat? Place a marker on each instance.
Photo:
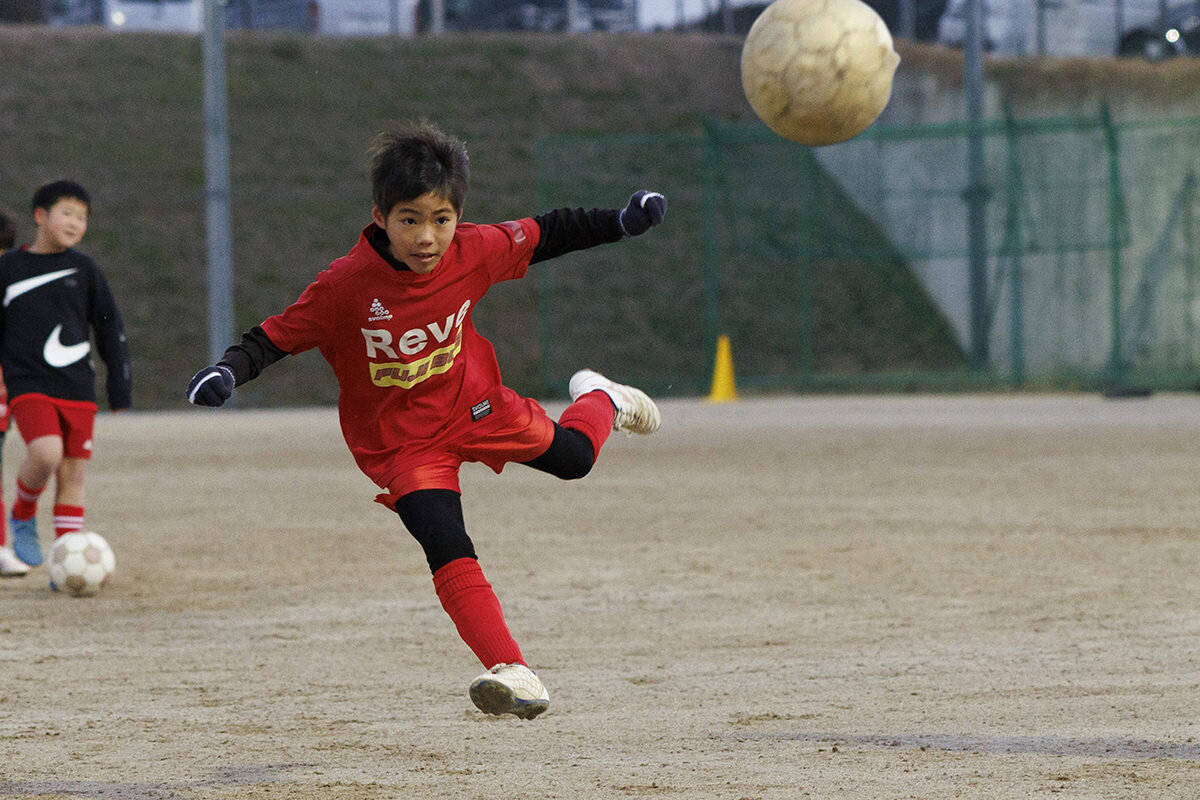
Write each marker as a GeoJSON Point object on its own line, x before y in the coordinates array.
{"type": "Point", "coordinates": [510, 689]}
{"type": "Point", "coordinates": [636, 412]}
{"type": "Point", "coordinates": [10, 565]}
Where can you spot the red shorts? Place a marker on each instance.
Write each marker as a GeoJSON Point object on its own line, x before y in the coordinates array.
{"type": "Point", "coordinates": [524, 437]}
{"type": "Point", "coordinates": [37, 415]}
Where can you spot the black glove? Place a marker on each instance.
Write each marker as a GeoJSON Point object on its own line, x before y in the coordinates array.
{"type": "Point", "coordinates": [645, 210]}
{"type": "Point", "coordinates": [211, 386]}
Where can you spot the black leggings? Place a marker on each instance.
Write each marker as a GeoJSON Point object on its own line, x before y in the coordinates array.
{"type": "Point", "coordinates": [435, 517]}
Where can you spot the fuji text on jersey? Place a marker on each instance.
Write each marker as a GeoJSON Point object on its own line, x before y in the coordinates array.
{"type": "Point", "coordinates": [380, 341]}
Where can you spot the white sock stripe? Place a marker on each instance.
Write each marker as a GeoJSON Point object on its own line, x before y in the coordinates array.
{"type": "Point", "coordinates": [67, 522]}
{"type": "Point", "coordinates": [28, 497]}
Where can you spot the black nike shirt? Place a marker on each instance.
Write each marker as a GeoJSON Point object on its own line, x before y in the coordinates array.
{"type": "Point", "coordinates": [52, 307]}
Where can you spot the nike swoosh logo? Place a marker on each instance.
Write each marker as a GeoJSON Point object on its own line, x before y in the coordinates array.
{"type": "Point", "coordinates": [58, 354]}
{"type": "Point", "coordinates": [19, 288]}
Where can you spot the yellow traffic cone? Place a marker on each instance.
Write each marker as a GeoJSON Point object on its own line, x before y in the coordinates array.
{"type": "Point", "coordinates": [724, 388]}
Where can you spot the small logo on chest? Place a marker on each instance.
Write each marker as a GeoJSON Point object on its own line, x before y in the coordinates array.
{"type": "Point", "coordinates": [378, 313]}
{"type": "Point", "coordinates": [480, 410]}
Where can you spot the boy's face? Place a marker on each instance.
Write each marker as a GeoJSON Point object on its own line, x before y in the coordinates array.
{"type": "Point", "coordinates": [61, 226]}
{"type": "Point", "coordinates": [419, 230]}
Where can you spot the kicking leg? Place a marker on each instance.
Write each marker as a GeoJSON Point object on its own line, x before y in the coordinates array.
{"type": "Point", "coordinates": [600, 406]}
{"type": "Point", "coordinates": [571, 453]}
{"type": "Point", "coordinates": [635, 411]}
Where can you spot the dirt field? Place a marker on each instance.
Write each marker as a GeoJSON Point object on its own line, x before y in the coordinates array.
{"type": "Point", "coordinates": [900, 597]}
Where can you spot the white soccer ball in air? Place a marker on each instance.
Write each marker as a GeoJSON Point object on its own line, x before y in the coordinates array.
{"type": "Point", "coordinates": [81, 563]}
{"type": "Point", "coordinates": [818, 71]}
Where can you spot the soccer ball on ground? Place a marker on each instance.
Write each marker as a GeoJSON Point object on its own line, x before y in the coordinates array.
{"type": "Point", "coordinates": [818, 71]}
{"type": "Point", "coordinates": [81, 563]}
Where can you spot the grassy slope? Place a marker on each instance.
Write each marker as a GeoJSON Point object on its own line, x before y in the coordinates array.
{"type": "Point", "coordinates": [122, 113]}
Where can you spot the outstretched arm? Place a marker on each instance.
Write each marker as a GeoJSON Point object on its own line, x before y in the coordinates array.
{"type": "Point", "coordinates": [242, 362]}
{"type": "Point", "coordinates": [570, 229]}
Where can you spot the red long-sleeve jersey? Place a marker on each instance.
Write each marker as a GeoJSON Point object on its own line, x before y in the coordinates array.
{"type": "Point", "coordinates": [412, 369]}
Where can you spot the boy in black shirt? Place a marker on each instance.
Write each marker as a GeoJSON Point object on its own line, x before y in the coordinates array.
{"type": "Point", "coordinates": [54, 300]}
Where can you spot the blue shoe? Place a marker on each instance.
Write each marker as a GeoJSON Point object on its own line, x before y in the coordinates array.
{"type": "Point", "coordinates": [25, 540]}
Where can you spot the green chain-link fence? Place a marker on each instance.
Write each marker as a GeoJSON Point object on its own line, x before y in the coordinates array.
{"type": "Point", "coordinates": [846, 266]}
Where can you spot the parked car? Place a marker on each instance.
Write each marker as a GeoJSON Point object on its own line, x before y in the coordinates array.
{"type": "Point", "coordinates": [530, 15]}
{"type": "Point", "coordinates": [322, 17]}
{"type": "Point", "coordinates": [999, 18]}
{"type": "Point", "coordinates": [1177, 35]}
{"type": "Point", "coordinates": [1067, 27]}
{"type": "Point", "coordinates": [153, 15]}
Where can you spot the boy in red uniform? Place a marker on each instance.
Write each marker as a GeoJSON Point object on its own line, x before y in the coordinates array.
{"type": "Point", "coordinates": [420, 388]}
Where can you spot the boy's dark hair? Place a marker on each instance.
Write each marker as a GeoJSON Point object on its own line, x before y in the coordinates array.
{"type": "Point", "coordinates": [8, 230]}
{"type": "Point", "coordinates": [409, 160]}
{"type": "Point", "coordinates": [50, 193]}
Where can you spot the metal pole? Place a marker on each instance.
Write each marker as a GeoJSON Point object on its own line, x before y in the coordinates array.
{"type": "Point", "coordinates": [1016, 309]}
{"type": "Point", "coordinates": [708, 239]}
{"type": "Point", "coordinates": [216, 184]}
{"type": "Point", "coordinates": [1116, 218]}
{"type": "Point", "coordinates": [1189, 270]}
{"type": "Point", "coordinates": [976, 194]}
{"type": "Point", "coordinates": [908, 19]}
{"type": "Point", "coordinates": [808, 257]}
{"type": "Point", "coordinates": [1041, 26]}
{"type": "Point", "coordinates": [437, 17]}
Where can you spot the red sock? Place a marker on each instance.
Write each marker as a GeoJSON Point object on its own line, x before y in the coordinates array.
{"type": "Point", "coordinates": [469, 600]}
{"type": "Point", "coordinates": [592, 415]}
{"type": "Point", "coordinates": [67, 519]}
{"type": "Point", "coordinates": [27, 500]}
{"type": "Point", "coordinates": [3, 526]}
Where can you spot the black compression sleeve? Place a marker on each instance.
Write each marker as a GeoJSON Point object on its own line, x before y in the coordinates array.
{"type": "Point", "coordinates": [251, 356]}
{"type": "Point", "coordinates": [567, 229]}
{"type": "Point", "coordinates": [570, 455]}
{"type": "Point", "coordinates": [435, 519]}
